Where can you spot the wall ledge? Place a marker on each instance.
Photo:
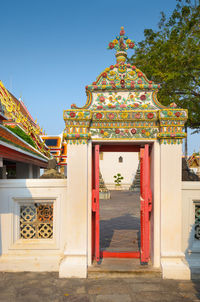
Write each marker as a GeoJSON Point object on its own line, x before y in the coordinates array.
{"type": "Point", "coordinates": [190, 185]}
{"type": "Point", "coordinates": [32, 183]}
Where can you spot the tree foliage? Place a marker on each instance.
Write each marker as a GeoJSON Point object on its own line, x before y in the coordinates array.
{"type": "Point", "coordinates": [171, 56]}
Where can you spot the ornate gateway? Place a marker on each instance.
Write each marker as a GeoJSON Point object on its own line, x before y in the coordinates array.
{"type": "Point", "coordinates": [122, 105]}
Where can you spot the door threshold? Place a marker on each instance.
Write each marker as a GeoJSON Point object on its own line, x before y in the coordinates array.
{"type": "Point", "coordinates": [110, 254]}
{"type": "Point", "coordinates": [122, 268]}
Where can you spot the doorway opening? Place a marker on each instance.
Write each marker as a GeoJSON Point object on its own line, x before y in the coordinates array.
{"type": "Point", "coordinates": [124, 230]}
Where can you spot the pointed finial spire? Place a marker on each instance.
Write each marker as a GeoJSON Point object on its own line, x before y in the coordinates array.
{"type": "Point", "coordinates": [121, 44]}
{"type": "Point", "coordinates": [122, 31]}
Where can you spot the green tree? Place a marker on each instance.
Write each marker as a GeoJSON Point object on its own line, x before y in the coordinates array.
{"type": "Point", "coordinates": [171, 56]}
{"type": "Point", "coordinates": [118, 179]}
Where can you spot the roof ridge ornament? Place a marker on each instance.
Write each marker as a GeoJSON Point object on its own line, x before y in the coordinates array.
{"type": "Point", "coordinates": [121, 44]}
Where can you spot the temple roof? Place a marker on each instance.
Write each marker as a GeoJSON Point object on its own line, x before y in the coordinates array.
{"type": "Point", "coordinates": [57, 146]}
{"type": "Point", "coordinates": [14, 141]}
{"type": "Point", "coordinates": [18, 119]}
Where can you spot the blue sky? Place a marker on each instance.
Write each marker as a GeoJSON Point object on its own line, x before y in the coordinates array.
{"type": "Point", "coordinates": [50, 50]}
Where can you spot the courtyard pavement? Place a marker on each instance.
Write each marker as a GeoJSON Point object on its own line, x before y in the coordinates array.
{"type": "Point", "coordinates": [120, 221]}
{"type": "Point", "coordinates": [47, 287]}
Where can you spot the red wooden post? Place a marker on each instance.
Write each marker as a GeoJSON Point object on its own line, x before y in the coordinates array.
{"type": "Point", "coordinates": [95, 204]}
{"type": "Point", "coordinates": [146, 202]}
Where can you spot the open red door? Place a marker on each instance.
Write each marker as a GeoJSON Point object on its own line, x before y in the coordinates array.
{"type": "Point", "coordinates": [95, 203]}
{"type": "Point", "coordinates": [146, 203]}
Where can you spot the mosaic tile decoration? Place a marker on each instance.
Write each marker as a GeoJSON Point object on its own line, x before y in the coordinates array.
{"type": "Point", "coordinates": [197, 222]}
{"type": "Point", "coordinates": [36, 221]}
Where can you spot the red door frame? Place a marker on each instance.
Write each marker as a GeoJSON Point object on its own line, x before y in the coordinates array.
{"type": "Point", "coordinates": [145, 202]}
{"type": "Point", "coordinates": [95, 204]}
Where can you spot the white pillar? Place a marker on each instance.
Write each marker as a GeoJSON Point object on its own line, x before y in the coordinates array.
{"type": "Point", "coordinates": [155, 214]}
{"type": "Point", "coordinates": [4, 175]}
{"type": "Point", "coordinates": [1, 162]}
{"type": "Point", "coordinates": [172, 258]}
{"type": "Point", "coordinates": [74, 262]}
{"type": "Point", "coordinates": [36, 171]}
{"type": "Point", "coordinates": [22, 170]}
{"type": "Point", "coordinates": [30, 171]}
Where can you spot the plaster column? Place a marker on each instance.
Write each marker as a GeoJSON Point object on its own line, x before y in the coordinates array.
{"type": "Point", "coordinates": [172, 258]}
{"type": "Point", "coordinates": [155, 214]}
{"type": "Point", "coordinates": [74, 262]}
{"type": "Point", "coordinates": [30, 171]}
{"type": "Point", "coordinates": [3, 173]}
{"type": "Point", "coordinates": [36, 171]}
{"type": "Point", "coordinates": [22, 170]}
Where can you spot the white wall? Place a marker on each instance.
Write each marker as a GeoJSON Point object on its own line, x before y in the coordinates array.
{"type": "Point", "coordinates": [74, 262]}
{"type": "Point", "coordinates": [17, 254]}
{"type": "Point", "coordinates": [110, 166]}
{"type": "Point", "coordinates": [190, 245]}
{"type": "Point", "coordinates": [172, 263]}
{"type": "Point", "coordinates": [155, 213]}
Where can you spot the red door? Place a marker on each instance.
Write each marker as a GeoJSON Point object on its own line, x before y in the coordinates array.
{"type": "Point", "coordinates": [145, 206]}
{"type": "Point", "coordinates": [95, 203]}
{"type": "Point", "coordinates": [145, 203]}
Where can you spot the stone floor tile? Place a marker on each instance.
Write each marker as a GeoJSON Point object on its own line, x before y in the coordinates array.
{"type": "Point", "coordinates": [187, 286]}
{"type": "Point", "coordinates": [5, 297]}
{"type": "Point", "coordinates": [77, 298]}
{"type": "Point", "coordinates": [113, 298]}
{"type": "Point", "coordinates": [6, 289]}
{"type": "Point", "coordinates": [189, 295]}
{"type": "Point", "coordinates": [151, 287]}
{"type": "Point", "coordinates": [81, 290]}
{"type": "Point", "coordinates": [107, 289]}
{"type": "Point", "coordinates": [158, 297]}
{"type": "Point", "coordinates": [143, 280]}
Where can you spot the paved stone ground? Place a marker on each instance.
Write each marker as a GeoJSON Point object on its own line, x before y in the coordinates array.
{"type": "Point", "coordinates": [120, 221]}
{"type": "Point", "coordinates": [47, 287]}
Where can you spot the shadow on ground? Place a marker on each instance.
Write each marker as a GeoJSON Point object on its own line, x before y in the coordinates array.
{"type": "Point", "coordinates": [124, 224]}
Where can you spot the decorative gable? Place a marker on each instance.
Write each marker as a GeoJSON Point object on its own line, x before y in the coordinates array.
{"type": "Point", "coordinates": [122, 105]}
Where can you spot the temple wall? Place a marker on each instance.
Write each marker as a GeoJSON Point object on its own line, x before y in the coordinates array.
{"type": "Point", "coordinates": [110, 165]}
{"type": "Point", "coordinates": [190, 205]}
{"type": "Point", "coordinates": [172, 229]}
{"type": "Point", "coordinates": [172, 257]}
{"type": "Point", "coordinates": [37, 254]}
{"type": "Point", "coordinates": [74, 263]}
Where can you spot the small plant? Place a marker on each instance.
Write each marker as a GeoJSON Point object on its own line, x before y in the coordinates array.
{"type": "Point", "coordinates": [118, 179]}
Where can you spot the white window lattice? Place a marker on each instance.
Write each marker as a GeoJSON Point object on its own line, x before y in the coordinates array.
{"type": "Point", "coordinates": [197, 221]}
{"type": "Point", "coordinates": [36, 221]}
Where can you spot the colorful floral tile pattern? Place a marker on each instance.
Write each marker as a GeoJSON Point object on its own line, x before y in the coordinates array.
{"type": "Point", "coordinates": [122, 101]}
{"type": "Point", "coordinates": [122, 76]}
{"type": "Point", "coordinates": [128, 133]}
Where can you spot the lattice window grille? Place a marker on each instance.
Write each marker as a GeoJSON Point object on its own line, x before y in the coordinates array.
{"type": "Point", "coordinates": [197, 221]}
{"type": "Point", "coordinates": [36, 221]}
